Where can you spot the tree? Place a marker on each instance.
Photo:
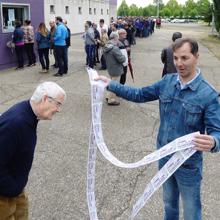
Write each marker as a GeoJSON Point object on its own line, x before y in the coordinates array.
{"type": "Point", "coordinates": [123, 9]}
{"type": "Point", "coordinates": [217, 14]}
{"type": "Point", "coordinates": [165, 12]}
{"type": "Point", "coordinates": [134, 10]}
{"type": "Point", "coordinates": [153, 10]}
{"type": "Point", "coordinates": [146, 11]}
{"type": "Point", "coordinates": [173, 6]}
{"type": "Point", "coordinates": [190, 5]}
{"type": "Point", "coordinates": [204, 9]}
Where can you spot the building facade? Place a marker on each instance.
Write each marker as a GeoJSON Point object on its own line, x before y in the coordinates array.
{"type": "Point", "coordinates": [12, 10]}
{"type": "Point", "coordinates": [76, 12]}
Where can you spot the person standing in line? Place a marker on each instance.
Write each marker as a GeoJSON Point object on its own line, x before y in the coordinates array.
{"type": "Point", "coordinates": [187, 104]}
{"type": "Point", "coordinates": [125, 46]}
{"type": "Point", "coordinates": [89, 38]}
{"type": "Point", "coordinates": [114, 62]}
{"type": "Point", "coordinates": [60, 46]}
{"type": "Point", "coordinates": [18, 137]}
{"type": "Point", "coordinates": [43, 42]}
{"type": "Point", "coordinates": [29, 42]}
{"type": "Point", "coordinates": [18, 40]}
{"type": "Point", "coordinates": [167, 56]}
{"type": "Point", "coordinates": [97, 46]}
{"type": "Point", "coordinates": [68, 44]}
{"type": "Point", "coordinates": [52, 50]}
{"type": "Point", "coordinates": [102, 42]}
{"type": "Point", "coordinates": [101, 26]}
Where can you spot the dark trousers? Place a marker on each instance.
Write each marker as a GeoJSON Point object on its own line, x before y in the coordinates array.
{"type": "Point", "coordinates": [90, 54]}
{"type": "Point", "coordinates": [60, 54]}
{"type": "Point", "coordinates": [66, 60]}
{"type": "Point", "coordinates": [103, 62]}
{"type": "Point", "coordinates": [20, 55]}
{"type": "Point", "coordinates": [123, 76]}
{"type": "Point", "coordinates": [29, 49]}
{"type": "Point", "coordinates": [44, 58]}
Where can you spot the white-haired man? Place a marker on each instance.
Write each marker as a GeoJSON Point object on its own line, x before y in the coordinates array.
{"type": "Point", "coordinates": [18, 138]}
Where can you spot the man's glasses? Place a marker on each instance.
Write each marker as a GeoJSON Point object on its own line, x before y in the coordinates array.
{"type": "Point", "coordinates": [57, 103]}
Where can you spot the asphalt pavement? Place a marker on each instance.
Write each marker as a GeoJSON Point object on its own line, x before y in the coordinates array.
{"type": "Point", "coordinates": [57, 182]}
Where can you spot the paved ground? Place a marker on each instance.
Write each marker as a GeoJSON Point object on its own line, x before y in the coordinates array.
{"type": "Point", "coordinates": [57, 183]}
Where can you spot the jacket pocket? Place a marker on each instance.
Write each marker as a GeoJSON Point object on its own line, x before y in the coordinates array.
{"type": "Point", "coordinates": [193, 114]}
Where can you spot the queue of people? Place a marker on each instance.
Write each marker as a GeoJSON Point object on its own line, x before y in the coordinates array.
{"type": "Point", "coordinates": [187, 103]}
{"type": "Point", "coordinates": [56, 40]}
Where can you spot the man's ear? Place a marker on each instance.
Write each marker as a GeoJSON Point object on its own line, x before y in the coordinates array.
{"type": "Point", "coordinates": [44, 98]}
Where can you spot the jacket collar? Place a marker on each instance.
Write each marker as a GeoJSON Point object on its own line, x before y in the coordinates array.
{"type": "Point", "coordinates": [193, 84]}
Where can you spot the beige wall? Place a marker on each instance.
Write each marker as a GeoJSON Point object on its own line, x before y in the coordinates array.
{"type": "Point", "coordinates": [75, 20]}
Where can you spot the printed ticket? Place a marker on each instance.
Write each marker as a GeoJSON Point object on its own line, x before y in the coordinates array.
{"type": "Point", "coordinates": [182, 148]}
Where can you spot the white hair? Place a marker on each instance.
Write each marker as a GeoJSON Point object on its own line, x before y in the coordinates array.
{"type": "Point", "coordinates": [114, 35]}
{"type": "Point", "coordinates": [51, 89]}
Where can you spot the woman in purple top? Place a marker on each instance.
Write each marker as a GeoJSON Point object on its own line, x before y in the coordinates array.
{"type": "Point", "coordinates": [18, 40]}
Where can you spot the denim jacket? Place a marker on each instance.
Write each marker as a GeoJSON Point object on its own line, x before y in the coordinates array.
{"type": "Point", "coordinates": [182, 111]}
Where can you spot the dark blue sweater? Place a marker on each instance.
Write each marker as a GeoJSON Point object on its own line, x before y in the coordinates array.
{"type": "Point", "coordinates": [17, 144]}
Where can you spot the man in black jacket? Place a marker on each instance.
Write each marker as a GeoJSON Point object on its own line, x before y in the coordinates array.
{"type": "Point", "coordinates": [167, 56]}
{"type": "Point", "coordinates": [68, 44]}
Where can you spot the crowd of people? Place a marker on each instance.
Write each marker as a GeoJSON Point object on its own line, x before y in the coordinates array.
{"type": "Point", "coordinates": [56, 40]}
{"type": "Point", "coordinates": [187, 103]}
{"type": "Point", "coordinates": [111, 46]}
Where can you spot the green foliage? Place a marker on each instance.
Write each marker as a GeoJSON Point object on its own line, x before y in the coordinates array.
{"type": "Point", "coordinates": [216, 4]}
{"type": "Point", "coordinates": [123, 9]}
{"type": "Point", "coordinates": [191, 9]}
{"type": "Point", "coordinates": [173, 6]}
{"type": "Point", "coordinates": [165, 12]}
{"type": "Point", "coordinates": [204, 8]}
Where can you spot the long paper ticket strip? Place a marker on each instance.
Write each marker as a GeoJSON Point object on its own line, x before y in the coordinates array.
{"type": "Point", "coordinates": [182, 148]}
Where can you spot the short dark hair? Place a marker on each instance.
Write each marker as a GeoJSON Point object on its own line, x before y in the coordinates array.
{"type": "Point", "coordinates": [17, 24]}
{"type": "Point", "coordinates": [59, 19]}
{"type": "Point", "coordinates": [89, 23]}
{"type": "Point", "coordinates": [27, 22]}
{"type": "Point", "coordinates": [176, 35]}
{"type": "Point", "coordinates": [102, 21]}
{"type": "Point", "coordinates": [192, 43]}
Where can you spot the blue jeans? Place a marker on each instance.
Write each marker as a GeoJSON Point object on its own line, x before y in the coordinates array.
{"type": "Point", "coordinates": [186, 181]}
{"type": "Point", "coordinates": [90, 50]}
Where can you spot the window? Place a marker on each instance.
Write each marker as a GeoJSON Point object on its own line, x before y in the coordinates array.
{"type": "Point", "coordinates": [11, 13]}
{"type": "Point", "coordinates": [90, 11]}
{"type": "Point", "coordinates": [67, 11]}
{"type": "Point", "coordinates": [94, 11]}
{"type": "Point", "coordinates": [101, 11]}
{"type": "Point", "coordinates": [79, 10]}
{"type": "Point", "coordinates": [107, 11]}
{"type": "Point", "coordinates": [52, 9]}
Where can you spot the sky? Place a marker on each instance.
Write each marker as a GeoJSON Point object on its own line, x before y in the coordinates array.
{"type": "Point", "coordinates": [144, 3]}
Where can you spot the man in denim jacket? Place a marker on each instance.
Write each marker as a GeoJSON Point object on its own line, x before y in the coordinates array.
{"type": "Point", "coordinates": [187, 104]}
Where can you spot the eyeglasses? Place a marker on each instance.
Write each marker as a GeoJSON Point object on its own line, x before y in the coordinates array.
{"type": "Point", "coordinates": [57, 103]}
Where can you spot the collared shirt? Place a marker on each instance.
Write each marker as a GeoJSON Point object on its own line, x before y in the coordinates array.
{"type": "Point", "coordinates": [182, 84]}
{"type": "Point", "coordinates": [182, 111]}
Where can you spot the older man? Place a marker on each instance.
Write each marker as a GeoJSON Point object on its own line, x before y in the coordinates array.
{"type": "Point", "coordinates": [114, 61]}
{"type": "Point", "coordinates": [18, 138]}
{"type": "Point", "coordinates": [187, 104]}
